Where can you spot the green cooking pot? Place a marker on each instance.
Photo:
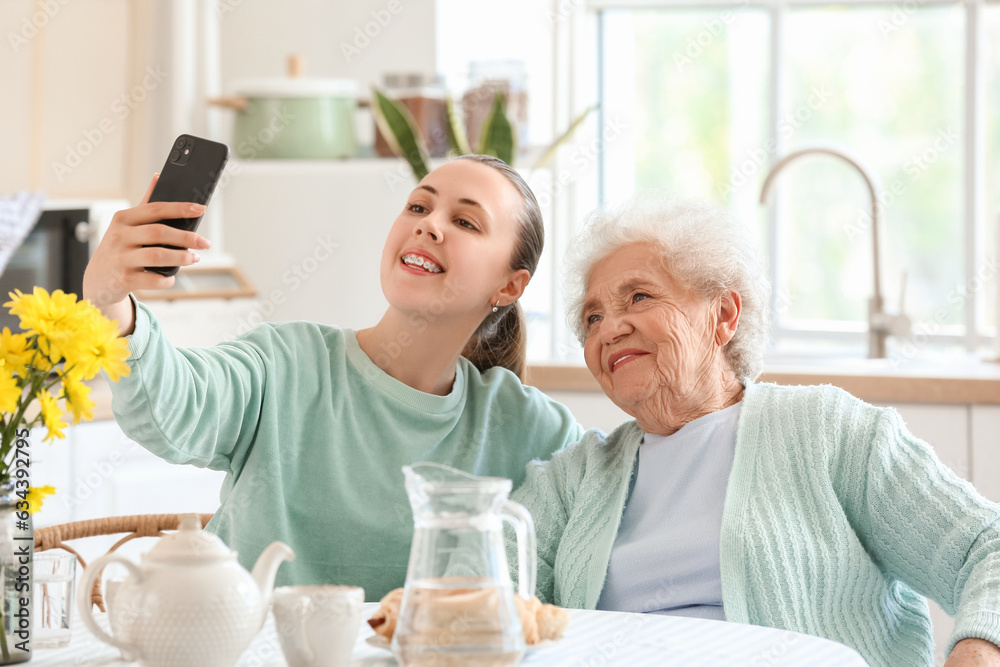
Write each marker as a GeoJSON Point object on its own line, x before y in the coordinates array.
{"type": "Point", "coordinates": [294, 118]}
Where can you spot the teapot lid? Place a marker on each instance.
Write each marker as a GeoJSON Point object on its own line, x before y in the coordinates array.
{"type": "Point", "coordinates": [190, 541]}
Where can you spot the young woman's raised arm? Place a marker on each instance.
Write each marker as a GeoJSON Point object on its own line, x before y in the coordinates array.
{"type": "Point", "coordinates": [201, 405]}
{"type": "Point", "coordinates": [180, 404]}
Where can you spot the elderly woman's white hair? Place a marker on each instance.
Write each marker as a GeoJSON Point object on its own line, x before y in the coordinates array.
{"type": "Point", "coordinates": [702, 247]}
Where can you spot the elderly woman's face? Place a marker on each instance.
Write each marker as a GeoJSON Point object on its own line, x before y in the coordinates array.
{"type": "Point", "coordinates": [644, 332]}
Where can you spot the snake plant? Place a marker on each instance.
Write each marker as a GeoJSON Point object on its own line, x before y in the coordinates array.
{"type": "Point", "coordinates": [399, 129]}
{"type": "Point", "coordinates": [497, 137]}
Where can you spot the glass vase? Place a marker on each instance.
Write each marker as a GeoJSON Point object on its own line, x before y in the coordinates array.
{"type": "Point", "coordinates": [17, 547]}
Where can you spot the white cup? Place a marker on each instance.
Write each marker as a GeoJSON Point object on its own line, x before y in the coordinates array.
{"type": "Point", "coordinates": [318, 625]}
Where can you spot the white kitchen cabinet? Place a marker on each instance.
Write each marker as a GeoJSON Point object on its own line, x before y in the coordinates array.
{"type": "Point", "coordinates": [985, 450]}
{"type": "Point", "coordinates": [99, 472]}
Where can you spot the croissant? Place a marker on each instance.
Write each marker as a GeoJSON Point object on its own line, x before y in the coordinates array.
{"type": "Point", "coordinates": [383, 621]}
{"type": "Point", "coordinates": [552, 621]}
{"type": "Point", "coordinates": [539, 621]}
{"type": "Point", "coordinates": [528, 611]}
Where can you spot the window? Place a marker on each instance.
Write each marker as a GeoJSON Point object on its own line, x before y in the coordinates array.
{"type": "Point", "coordinates": [710, 97]}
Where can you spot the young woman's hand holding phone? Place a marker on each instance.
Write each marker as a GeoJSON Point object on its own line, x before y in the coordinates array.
{"type": "Point", "coordinates": [146, 245]}
{"type": "Point", "coordinates": [131, 243]}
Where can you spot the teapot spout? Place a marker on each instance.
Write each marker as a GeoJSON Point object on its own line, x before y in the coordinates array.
{"type": "Point", "coordinates": [266, 567]}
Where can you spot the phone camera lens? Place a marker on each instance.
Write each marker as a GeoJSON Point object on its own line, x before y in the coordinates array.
{"type": "Point", "coordinates": [179, 142]}
{"type": "Point", "coordinates": [174, 156]}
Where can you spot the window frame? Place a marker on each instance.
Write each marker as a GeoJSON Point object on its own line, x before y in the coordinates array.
{"type": "Point", "coordinates": [577, 26]}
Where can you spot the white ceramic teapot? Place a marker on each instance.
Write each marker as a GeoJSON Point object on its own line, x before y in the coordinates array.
{"type": "Point", "coordinates": [189, 602]}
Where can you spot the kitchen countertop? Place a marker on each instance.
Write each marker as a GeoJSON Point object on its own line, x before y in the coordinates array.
{"type": "Point", "coordinates": [875, 380]}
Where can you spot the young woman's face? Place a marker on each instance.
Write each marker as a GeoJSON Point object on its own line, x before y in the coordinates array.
{"type": "Point", "coordinates": [448, 253]}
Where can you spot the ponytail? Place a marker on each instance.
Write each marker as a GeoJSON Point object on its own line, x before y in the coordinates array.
{"type": "Point", "coordinates": [501, 339]}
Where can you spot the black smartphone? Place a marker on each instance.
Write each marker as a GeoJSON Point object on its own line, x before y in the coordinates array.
{"type": "Point", "coordinates": [190, 174]}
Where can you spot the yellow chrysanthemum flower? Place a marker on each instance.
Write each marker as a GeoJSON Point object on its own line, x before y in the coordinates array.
{"type": "Point", "coordinates": [77, 397]}
{"type": "Point", "coordinates": [37, 495]}
{"type": "Point", "coordinates": [42, 363]}
{"type": "Point", "coordinates": [100, 348]}
{"type": "Point", "coordinates": [54, 318]}
{"type": "Point", "coordinates": [15, 351]}
{"type": "Point", "coordinates": [9, 391]}
{"type": "Point", "coordinates": [65, 335]}
{"type": "Point", "coordinates": [84, 318]}
{"type": "Point", "coordinates": [51, 416]}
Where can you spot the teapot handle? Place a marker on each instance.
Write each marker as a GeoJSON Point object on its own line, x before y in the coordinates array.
{"type": "Point", "coordinates": [527, 553]}
{"type": "Point", "coordinates": [83, 603]}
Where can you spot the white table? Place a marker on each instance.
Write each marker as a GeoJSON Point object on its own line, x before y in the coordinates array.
{"type": "Point", "coordinates": [593, 639]}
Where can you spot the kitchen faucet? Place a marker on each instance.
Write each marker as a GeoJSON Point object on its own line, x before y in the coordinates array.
{"type": "Point", "coordinates": [880, 323]}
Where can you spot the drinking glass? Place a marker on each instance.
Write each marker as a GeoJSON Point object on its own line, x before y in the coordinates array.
{"type": "Point", "coordinates": [54, 575]}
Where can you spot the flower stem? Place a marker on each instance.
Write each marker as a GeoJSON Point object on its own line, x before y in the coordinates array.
{"type": "Point", "coordinates": [35, 380]}
{"type": "Point", "coordinates": [3, 635]}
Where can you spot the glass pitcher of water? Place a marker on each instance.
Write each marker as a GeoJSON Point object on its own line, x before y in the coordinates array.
{"type": "Point", "coordinates": [458, 606]}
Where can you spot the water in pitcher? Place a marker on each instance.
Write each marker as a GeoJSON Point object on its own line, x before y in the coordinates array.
{"type": "Point", "coordinates": [458, 622]}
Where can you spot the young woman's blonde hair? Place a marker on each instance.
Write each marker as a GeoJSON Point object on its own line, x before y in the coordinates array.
{"type": "Point", "coordinates": [501, 339]}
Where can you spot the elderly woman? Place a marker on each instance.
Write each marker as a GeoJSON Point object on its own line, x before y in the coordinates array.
{"type": "Point", "coordinates": [800, 508]}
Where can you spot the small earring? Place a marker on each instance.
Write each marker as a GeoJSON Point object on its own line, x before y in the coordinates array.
{"type": "Point", "coordinates": [497, 306]}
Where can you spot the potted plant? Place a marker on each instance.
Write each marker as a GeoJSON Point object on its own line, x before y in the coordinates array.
{"type": "Point", "coordinates": [497, 137]}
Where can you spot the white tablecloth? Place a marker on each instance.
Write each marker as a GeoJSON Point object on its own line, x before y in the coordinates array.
{"type": "Point", "coordinates": [593, 639]}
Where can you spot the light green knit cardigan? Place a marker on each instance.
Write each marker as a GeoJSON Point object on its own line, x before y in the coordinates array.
{"type": "Point", "coordinates": [837, 521]}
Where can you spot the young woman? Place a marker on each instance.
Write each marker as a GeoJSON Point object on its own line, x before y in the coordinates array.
{"type": "Point", "coordinates": [313, 423]}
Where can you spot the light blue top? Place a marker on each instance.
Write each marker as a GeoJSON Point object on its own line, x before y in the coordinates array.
{"type": "Point", "coordinates": [313, 435]}
{"type": "Point", "coordinates": [666, 555]}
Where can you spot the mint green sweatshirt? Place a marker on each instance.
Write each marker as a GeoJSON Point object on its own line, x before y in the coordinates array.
{"type": "Point", "coordinates": [837, 521]}
{"type": "Point", "coordinates": [313, 436]}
